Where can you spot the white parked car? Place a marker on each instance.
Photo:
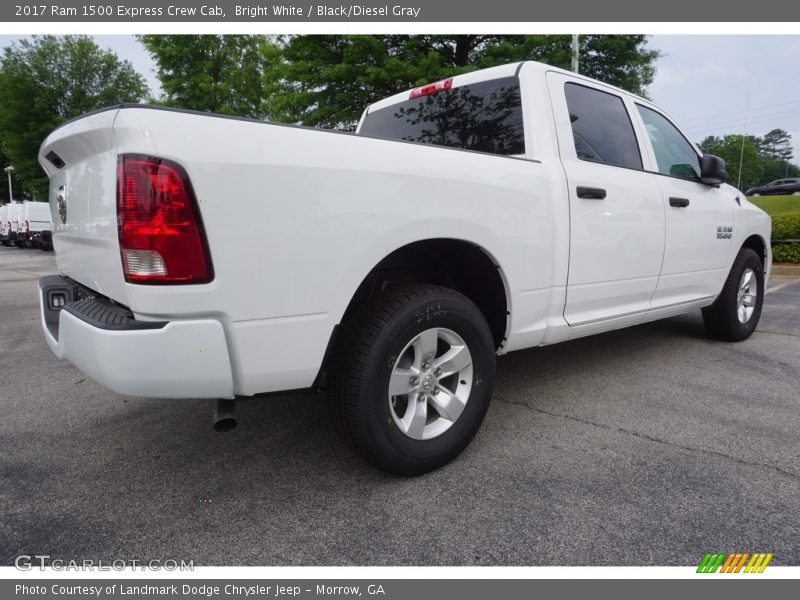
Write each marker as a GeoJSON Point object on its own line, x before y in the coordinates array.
{"type": "Point", "coordinates": [11, 224]}
{"type": "Point", "coordinates": [3, 223]}
{"type": "Point", "coordinates": [35, 224]}
{"type": "Point", "coordinates": [507, 208]}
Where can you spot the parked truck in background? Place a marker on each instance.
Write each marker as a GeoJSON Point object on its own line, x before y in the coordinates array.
{"type": "Point", "coordinates": [3, 223]}
{"type": "Point", "coordinates": [36, 225]}
{"type": "Point", "coordinates": [11, 230]}
{"type": "Point", "coordinates": [503, 209]}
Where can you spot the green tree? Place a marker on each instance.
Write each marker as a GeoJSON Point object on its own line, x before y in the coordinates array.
{"type": "Point", "coordinates": [4, 196]}
{"type": "Point", "coordinates": [773, 169]}
{"type": "Point", "coordinates": [216, 73]}
{"type": "Point", "coordinates": [48, 80]}
{"type": "Point", "coordinates": [328, 80]}
{"type": "Point", "coordinates": [709, 142]}
{"type": "Point", "coordinates": [764, 158]}
{"type": "Point", "coordinates": [736, 150]}
{"type": "Point", "coordinates": [776, 144]}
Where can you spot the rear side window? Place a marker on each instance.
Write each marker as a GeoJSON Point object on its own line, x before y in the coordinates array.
{"type": "Point", "coordinates": [485, 117]}
{"type": "Point", "coordinates": [601, 127]}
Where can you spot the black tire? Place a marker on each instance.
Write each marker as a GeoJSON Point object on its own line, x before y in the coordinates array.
{"type": "Point", "coordinates": [362, 363]}
{"type": "Point", "coordinates": [721, 318]}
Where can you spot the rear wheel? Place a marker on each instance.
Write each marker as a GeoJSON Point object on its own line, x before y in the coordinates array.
{"type": "Point", "coordinates": [412, 378]}
{"type": "Point", "coordinates": [735, 313]}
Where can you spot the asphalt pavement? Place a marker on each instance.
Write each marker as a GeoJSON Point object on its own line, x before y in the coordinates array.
{"type": "Point", "coordinates": [646, 446]}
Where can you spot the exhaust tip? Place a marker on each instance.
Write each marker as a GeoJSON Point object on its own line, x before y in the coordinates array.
{"type": "Point", "coordinates": [225, 424]}
{"type": "Point", "coordinates": [224, 419]}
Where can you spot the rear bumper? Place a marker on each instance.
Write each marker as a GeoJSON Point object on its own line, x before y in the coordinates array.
{"type": "Point", "coordinates": [166, 359]}
{"type": "Point", "coordinates": [42, 239]}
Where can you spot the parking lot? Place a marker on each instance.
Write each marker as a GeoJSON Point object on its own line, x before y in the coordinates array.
{"type": "Point", "coordinates": [646, 446]}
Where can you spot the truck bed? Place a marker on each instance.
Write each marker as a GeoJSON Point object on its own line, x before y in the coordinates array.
{"type": "Point", "coordinates": [295, 218]}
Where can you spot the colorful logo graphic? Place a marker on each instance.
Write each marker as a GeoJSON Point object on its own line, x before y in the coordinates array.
{"type": "Point", "coordinates": [734, 562]}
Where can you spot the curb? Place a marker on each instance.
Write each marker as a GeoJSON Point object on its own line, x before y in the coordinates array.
{"type": "Point", "coordinates": [786, 270]}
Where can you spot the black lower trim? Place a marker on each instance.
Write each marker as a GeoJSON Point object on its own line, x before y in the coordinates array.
{"type": "Point", "coordinates": [62, 293]}
{"type": "Point", "coordinates": [104, 314]}
{"type": "Point", "coordinates": [320, 379]}
{"type": "Point", "coordinates": [56, 292]}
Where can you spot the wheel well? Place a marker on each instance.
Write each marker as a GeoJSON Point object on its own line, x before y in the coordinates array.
{"type": "Point", "coordinates": [456, 264]}
{"type": "Point", "coordinates": [754, 242]}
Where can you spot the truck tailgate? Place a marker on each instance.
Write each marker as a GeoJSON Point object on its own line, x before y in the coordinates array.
{"type": "Point", "coordinates": [80, 158]}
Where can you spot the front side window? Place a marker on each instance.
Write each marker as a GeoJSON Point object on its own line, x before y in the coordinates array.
{"type": "Point", "coordinates": [484, 116]}
{"type": "Point", "coordinates": [675, 156]}
{"type": "Point", "coordinates": [601, 127]}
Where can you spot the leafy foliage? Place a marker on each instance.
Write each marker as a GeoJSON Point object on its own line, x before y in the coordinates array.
{"type": "Point", "coordinates": [328, 80]}
{"type": "Point", "coordinates": [17, 189]}
{"type": "Point", "coordinates": [776, 144]}
{"type": "Point", "coordinates": [216, 73]}
{"type": "Point", "coordinates": [48, 80]}
{"type": "Point", "coordinates": [761, 158]}
{"type": "Point", "coordinates": [786, 227]}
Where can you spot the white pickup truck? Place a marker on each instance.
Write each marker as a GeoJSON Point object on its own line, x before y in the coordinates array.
{"type": "Point", "coordinates": [507, 208]}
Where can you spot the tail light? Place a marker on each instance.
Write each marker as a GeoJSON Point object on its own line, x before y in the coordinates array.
{"type": "Point", "coordinates": [161, 235]}
{"type": "Point", "coordinates": [431, 88]}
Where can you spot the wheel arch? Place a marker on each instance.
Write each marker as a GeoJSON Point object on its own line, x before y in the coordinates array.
{"type": "Point", "coordinates": [451, 262]}
{"type": "Point", "coordinates": [757, 243]}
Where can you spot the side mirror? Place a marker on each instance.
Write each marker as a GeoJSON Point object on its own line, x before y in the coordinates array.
{"type": "Point", "coordinates": [712, 170]}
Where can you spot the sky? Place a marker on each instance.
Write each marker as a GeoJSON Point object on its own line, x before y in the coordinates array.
{"type": "Point", "coordinates": [702, 81]}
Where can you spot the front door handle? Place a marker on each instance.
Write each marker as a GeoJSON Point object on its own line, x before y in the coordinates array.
{"type": "Point", "coordinates": [679, 202]}
{"type": "Point", "coordinates": [591, 193]}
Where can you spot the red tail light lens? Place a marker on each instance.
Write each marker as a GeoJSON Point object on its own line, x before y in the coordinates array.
{"type": "Point", "coordinates": [161, 236]}
{"type": "Point", "coordinates": [431, 88]}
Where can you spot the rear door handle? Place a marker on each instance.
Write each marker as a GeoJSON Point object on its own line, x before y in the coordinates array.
{"type": "Point", "coordinates": [679, 202]}
{"type": "Point", "coordinates": [591, 193]}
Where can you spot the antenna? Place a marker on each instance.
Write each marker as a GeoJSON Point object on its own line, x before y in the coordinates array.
{"type": "Point", "coordinates": [744, 133]}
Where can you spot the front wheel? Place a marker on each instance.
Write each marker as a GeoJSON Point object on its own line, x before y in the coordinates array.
{"type": "Point", "coordinates": [412, 378]}
{"type": "Point", "coordinates": [735, 313]}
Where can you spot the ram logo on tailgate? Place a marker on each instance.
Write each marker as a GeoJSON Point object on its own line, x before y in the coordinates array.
{"type": "Point", "coordinates": [61, 200]}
